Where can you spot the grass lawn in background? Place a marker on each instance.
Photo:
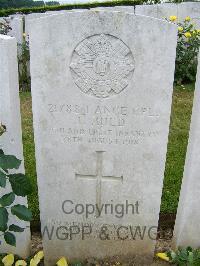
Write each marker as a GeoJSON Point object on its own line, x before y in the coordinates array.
{"type": "Point", "coordinates": [179, 129]}
{"type": "Point", "coordinates": [29, 150]}
{"type": "Point", "coordinates": [177, 145]}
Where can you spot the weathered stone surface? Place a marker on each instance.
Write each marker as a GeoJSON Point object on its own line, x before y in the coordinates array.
{"type": "Point", "coordinates": [129, 9]}
{"type": "Point", "coordinates": [101, 87]}
{"type": "Point", "coordinates": [28, 18]}
{"type": "Point", "coordinates": [187, 227]}
{"type": "Point", "coordinates": [167, 10]}
{"type": "Point", "coordinates": [146, 10]}
{"type": "Point", "coordinates": [191, 9]}
{"type": "Point", "coordinates": [160, 11]}
{"type": "Point", "coordinates": [40, 15]}
{"type": "Point", "coordinates": [11, 141]}
{"type": "Point", "coordinates": [16, 23]}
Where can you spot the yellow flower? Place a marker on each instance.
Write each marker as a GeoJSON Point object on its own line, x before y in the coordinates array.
{"type": "Point", "coordinates": [187, 34]}
{"type": "Point", "coordinates": [37, 258]}
{"type": "Point", "coordinates": [187, 18]}
{"type": "Point", "coordinates": [163, 256]}
{"type": "Point", "coordinates": [8, 260]}
{"type": "Point", "coordinates": [198, 31]}
{"type": "Point", "coordinates": [39, 255]}
{"type": "Point", "coordinates": [34, 262]}
{"type": "Point", "coordinates": [172, 18]}
{"type": "Point", "coordinates": [20, 263]}
{"type": "Point", "coordinates": [180, 29]}
{"type": "Point", "coordinates": [62, 262]}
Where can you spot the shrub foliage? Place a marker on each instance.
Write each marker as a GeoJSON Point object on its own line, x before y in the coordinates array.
{"type": "Point", "coordinates": [14, 184]}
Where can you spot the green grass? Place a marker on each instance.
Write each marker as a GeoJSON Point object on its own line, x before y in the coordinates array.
{"type": "Point", "coordinates": [177, 145]}
{"type": "Point", "coordinates": [29, 150]}
{"type": "Point", "coordinates": [179, 128]}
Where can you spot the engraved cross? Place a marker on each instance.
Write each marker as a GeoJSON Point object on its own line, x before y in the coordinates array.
{"type": "Point", "coordinates": [99, 176]}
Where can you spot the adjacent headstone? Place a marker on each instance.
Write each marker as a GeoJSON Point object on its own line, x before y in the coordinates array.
{"type": "Point", "coordinates": [187, 226]}
{"type": "Point", "coordinates": [44, 14]}
{"type": "Point", "coordinates": [146, 10]}
{"type": "Point", "coordinates": [27, 18]}
{"type": "Point", "coordinates": [101, 107]}
{"type": "Point", "coordinates": [191, 9]}
{"type": "Point", "coordinates": [160, 11]}
{"type": "Point", "coordinates": [166, 10]}
{"type": "Point", "coordinates": [129, 9]}
{"type": "Point", "coordinates": [16, 23]}
{"type": "Point", "coordinates": [11, 141]}
{"type": "Point", "coordinates": [104, 8]}
{"type": "Point", "coordinates": [16, 27]}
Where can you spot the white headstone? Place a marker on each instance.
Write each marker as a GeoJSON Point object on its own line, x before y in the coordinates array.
{"type": "Point", "coordinates": [187, 226]}
{"type": "Point", "coordinates": [146, 10]}
{"type": "Point", "coordinates": [166, 10]}
{"type": "Point", "coordinates": [101, 88]}
{"type": "Point", "coordinates": [191, 9]}
{"type": "Point", "coordinates": [40, 15]}
{"type": "Point", "coordinates": [28, 17]}
{"type": "Point", "coordinates": [11, 141]}
{"type": "Point", "coordinates": [16, 23]}
{"type": "Point", "coordinates": [129, 9]}
{"type": "Point", "coordinates": [104, 8]}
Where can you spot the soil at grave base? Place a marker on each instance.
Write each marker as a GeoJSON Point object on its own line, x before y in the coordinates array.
{"type": "Point", "coordinates": [163, 244]}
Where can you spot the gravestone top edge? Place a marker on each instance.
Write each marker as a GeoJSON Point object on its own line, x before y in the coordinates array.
{"type": "Point", "coordinates": [6, 37]}
{"type": "Point", "coordinates": [42, 19]}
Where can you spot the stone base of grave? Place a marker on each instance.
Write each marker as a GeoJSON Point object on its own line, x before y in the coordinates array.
{"type": "Point", "coordinates": [163, 244]}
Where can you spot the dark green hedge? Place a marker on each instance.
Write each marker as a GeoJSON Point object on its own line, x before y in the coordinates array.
{"type": "Point", "coordinates": [25, 10]}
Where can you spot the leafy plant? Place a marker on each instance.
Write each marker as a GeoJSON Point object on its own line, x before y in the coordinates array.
{"type": "Point", "coordinates": [4, 27]}
{"type": "Point", "coordinates": [19, 186]}
{"type": "Point", "coordinates": [23, 61]}
{"type": "Point", "coordinates": [182, 257]}
{"type": "Point", "coordinates": [187, 51]}
{"type": "Point", "coordinates": [185, 256]}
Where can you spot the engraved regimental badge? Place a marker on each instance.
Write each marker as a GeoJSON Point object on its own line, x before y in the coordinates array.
{"type": "Point", "coordinates": [102, 65]}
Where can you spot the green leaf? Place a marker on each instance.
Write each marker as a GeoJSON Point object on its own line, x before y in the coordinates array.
{"type": "Point", "coordinates": [183, 254]}
{"type": "Point", "coordinates": [190, 257]}
{"type": "Point", "coordinates": [9, 162]}
{"type": "Point", "coordinates": [189, 249]}
{"type": "Point", "coordinates": [3, 219]}
{"type": "Point", "coordinates": [78, 263]}
{"type": "Point", "coordinates": [22, 212]}
{"type": "Point", "coordinates": [10, 239]}
{"type": "Point", "coordinates": [15, 228]}
{"type": "Point", "coordinates": [7, 199]}
{"type": "Point", "coordinates": [2, 179]}
{"type": "Point", "coordinates": [20, 184]}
